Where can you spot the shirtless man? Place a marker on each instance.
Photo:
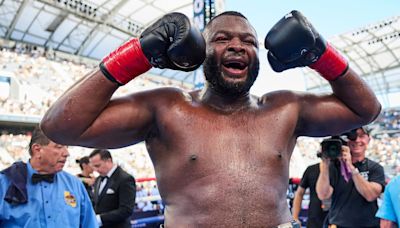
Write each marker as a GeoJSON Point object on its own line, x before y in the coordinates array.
{"type": "Point", "coordinates": [221, 155]}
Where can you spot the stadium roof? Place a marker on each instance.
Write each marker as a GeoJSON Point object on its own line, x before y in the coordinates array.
{"type": "Point", "coordinates": [88, 28]}
{"type": "Point", "coordinates": [373, 52]}
{"type": "Point", "coordinates": [94, 28]}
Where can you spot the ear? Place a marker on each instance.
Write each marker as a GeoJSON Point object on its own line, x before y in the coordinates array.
{"type": "Point", "coordinates": [36, 149]}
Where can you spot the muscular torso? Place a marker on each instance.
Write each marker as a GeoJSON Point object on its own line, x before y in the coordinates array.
{"type": "Point", "coordinates": [217, 169]}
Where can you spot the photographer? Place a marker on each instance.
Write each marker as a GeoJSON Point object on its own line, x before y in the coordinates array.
{"type": "Point", "coordinates": [353, 181]}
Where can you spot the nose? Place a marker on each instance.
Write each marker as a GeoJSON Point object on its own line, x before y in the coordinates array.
{"type": "Point", "coordinates": [65, 151]}
{"type": "Point", "coordinates": [236, 45]}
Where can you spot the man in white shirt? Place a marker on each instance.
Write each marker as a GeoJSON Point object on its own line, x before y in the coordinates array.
{"type": "Point", "coordinates": [114, 193]}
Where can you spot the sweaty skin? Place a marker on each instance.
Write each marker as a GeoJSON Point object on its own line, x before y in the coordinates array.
{"type": "Point", "coordinates": [220, 160]}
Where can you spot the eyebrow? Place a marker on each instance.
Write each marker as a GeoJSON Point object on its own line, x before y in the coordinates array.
{"type": "Point", "coordinates": [241, 34]}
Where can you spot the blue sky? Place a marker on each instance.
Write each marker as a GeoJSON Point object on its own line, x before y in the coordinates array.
{"type": "Point", "coordinates": [328, 17]}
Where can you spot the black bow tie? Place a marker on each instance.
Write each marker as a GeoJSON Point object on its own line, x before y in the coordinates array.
{"type": "Point", "coordinates": [36, 178]}
{"type": "Point", "coordinates": [102, 178]}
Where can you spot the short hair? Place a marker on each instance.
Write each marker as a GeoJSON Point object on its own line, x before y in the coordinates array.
{"type": "Point", "coordinates": [104, 154]}
{"type": "Point", "coordinates": [38, 137]}
{"type": "Point", "coordinates": [226, 13]}
{"type": "Point", "coordinates": [83, 160]}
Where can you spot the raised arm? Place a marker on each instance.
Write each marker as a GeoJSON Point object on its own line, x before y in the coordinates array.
{"type": "Point", "coordinates": [293, 42]}
{"type": "Point", "coordinates": [84, 115]}
{"type": "Point", "coordinates": [323, 187]}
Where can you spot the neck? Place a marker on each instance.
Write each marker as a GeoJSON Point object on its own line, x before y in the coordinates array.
{"type": "Point", "coordinates": [36, 165]}
{"type": "Point", "coordinates": [359, 158]}
{"type": "Point", "coordinates": [85, 173]}
{"type": "Point", "coordinates": [224, 102]}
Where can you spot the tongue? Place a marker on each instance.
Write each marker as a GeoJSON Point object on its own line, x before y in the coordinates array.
{"type": "Point", "coordinates": [234, 71]}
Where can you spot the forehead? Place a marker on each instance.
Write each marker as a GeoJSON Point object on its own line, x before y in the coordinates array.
{"type": "Point", "coordinates": [230, 23]}
{"type": "Point", "coordinates": [95, 158]}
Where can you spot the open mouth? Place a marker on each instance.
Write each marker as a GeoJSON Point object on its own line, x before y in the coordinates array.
{"type": "Point", "coordinates": [235, 68]}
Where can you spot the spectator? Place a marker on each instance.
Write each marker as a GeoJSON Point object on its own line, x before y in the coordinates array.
{"type": "Point", "coordinates": [86, 175]}
{"type": "Point", "coordinates": [389, 211]}
{"type": "Point", "coordinates": [39, 194]}
{"type": "Point", "coordinates": [317, 210]}
{"type": "Point", "coordinates": [114, 192]}
{"type": "Point", "coordinates": [354, 193]}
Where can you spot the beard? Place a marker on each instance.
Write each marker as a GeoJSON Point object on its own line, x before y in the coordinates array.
{"type": "Point", "coordinates": [213, 75]}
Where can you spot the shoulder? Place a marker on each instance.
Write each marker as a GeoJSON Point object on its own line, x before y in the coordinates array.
{"type": "Point", "coordinates": [285, 98]}
{"type": "Point", "coordinates": [69, 177]}
{"type": "Point", "coordinates": [160, 97]}
{"type": "Point", "coordinates": [3, 181]}
{"type": "Point", "coordinates": [122, 173]}
{"type": "Point", "coordinates": [395, 182]}
{"type": "Point", "coordinates": [164, 93]}
{"type": "Point", "coordinates": [374, 164]}
{"type": "Point", "coordinates": [313, 168]}
{"type": "Point", "coordinates": [280, 95]}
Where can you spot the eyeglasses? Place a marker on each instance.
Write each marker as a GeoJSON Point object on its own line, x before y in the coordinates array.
{"type": "Point", "coordinates": [353, 137]}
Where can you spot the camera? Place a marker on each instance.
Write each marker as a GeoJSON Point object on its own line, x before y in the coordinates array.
{"type": "Point", "coordinates": [332, 147]}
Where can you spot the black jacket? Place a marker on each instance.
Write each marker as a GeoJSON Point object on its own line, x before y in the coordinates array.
{"type": "Point", "coordinates": [116, 201]}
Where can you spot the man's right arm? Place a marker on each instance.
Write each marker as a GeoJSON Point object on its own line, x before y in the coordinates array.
{"type": "Point", "coordinates": [85, 116]}
{"type": "Point", "coordinates": [323, 188]}
{"type": "Point", "coordinates": [298, 198]}
{"type": "Point", "coordinates": [387, 224]}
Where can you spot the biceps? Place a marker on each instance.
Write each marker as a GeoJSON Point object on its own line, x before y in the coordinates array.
{"type": "Point", "coordinates": [325, 115]}
{"type": "Point", "coordinates": [119, 124]}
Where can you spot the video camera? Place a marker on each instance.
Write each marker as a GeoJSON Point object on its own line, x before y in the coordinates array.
{"type": "Point", "coordinates": [332, 147]}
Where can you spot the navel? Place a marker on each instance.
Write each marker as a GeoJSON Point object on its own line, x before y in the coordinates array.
{"type": "Point", "coordinates": [193, 157]}
{"type": "Point", "coordinates": [280, 155]}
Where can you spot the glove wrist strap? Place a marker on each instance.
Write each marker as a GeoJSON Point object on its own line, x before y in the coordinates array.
{"type": "Point", "coordinates": [125, 63]}
{"type": "Point", "coordinates": [331, 65]}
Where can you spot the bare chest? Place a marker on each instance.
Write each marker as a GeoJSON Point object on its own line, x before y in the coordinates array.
{"type": "Point", "coordinates": [197, 142]}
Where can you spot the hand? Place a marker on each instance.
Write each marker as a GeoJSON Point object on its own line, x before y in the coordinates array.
{"type": "Point", "coordinates": [293, 42]}
{"type": "Point", "coordinates": [171, 42]}
{"type": "Point", "coordinates": [346, 157]}
{"type": "Point", "coordinates": [297, 220]}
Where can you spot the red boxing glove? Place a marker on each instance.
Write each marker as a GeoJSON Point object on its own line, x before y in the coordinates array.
{"type": "Point", "coordinates": [331, 65]}
{"type": "Point", "coordinates": [125, 63]}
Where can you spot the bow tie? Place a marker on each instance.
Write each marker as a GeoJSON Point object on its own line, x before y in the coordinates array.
{"type": "Point", "coordinates": [102, 178]}
{"type": "Point", "coordinates": [36, 178]}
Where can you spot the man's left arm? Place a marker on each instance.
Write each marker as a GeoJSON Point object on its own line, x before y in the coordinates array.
{"type": "Point", "coordinates": [127, 195]}
{"type": "Point", "coordinates": [372, 187]}
{"type": "Point", "coordinates": [368, 189]}
{"type": "Point", "coordinates": [294, 42]}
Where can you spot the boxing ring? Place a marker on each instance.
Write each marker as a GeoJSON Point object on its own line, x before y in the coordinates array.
{"type": "Point", "coordinates": [150, 218]}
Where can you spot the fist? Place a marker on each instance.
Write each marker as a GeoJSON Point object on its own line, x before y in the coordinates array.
{"type": "Point", "coordinates": [172, 42]}
{"type": "Point", "coordinates": [293, 42]}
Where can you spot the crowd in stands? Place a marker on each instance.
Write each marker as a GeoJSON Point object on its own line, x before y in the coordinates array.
{"type": "Point", "coordinates": [42, 80]}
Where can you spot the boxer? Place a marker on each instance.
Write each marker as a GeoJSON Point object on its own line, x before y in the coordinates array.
{"type": "Point", "coordinates": [221, 155]}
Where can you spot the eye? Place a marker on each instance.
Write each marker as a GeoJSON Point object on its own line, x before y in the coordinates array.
{"type": "Point", "coordinates": [251, 42]}
{"type": "Point", "coordinates": [221, 38]}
